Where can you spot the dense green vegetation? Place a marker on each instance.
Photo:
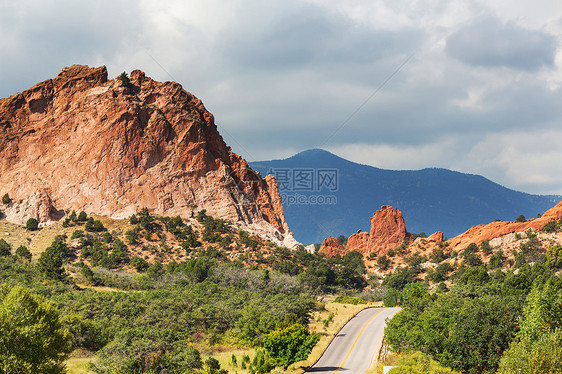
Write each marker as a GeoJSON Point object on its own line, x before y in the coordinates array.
{"type": "Point", "coordinates": [538, 344]}
{"type": "Point", "coordinates": [185, 303]}
{"type": "Point", "coordinates": [470, 327]}
{"type": "Point", "coordinates": [32, 224]}
{"type": "Point", "coordinates": [258, 297]}
{"type": "Point", "coordinates": [179, 286]}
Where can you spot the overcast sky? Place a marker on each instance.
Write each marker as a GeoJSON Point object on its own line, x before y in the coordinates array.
{"type": "Point", "coordinates": [471, 85]}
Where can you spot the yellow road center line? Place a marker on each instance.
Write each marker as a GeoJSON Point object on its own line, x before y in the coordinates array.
{"type": "Point", "coordinates": [356, 339]}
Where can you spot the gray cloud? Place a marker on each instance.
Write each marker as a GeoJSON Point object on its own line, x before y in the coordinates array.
{"type": "Point", "coordinates": [283, 75]}
{"type": "Point", "coordinates": [39, 39]}
{"type": "Point", "coordinates": [488, 42]}
{"type": "Point", "coordinates": [312, 38]}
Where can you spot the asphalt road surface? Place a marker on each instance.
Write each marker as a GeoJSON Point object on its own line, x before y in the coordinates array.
{"type": "Point", "coordinates": [356, 346]}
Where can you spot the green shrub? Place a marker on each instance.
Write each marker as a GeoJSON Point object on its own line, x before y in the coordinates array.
{"type": "Point", "coordinates": [485, 247]}
{"type": "Point", "coordinates": [133, 235]}
{"type": "Point", "coordinates": [383, 262]}
{"type": "Point", "coordinates": [87, 273]}
{"type": "Point", "coordinates": [77, 234]}
{"type": "Point", "coordinates": [23, 253]}
{"type": "Point", "coordinates": [82, 217]}
{"type": "Point", "coordinates": [554, 257]}
{"type": "Point", "coordinates": [94, 225]}
{"type": "Point", "coordinates": [474, 275]}
{"type": "Point", "coordinates": [32, 338]}
{"type": "Point", "coordinates": [133, 220]}
{"type": "Point", "coordinates": [5, 248]}
{"type": "Point", "coordinates": [32, 224]}
{"type": "Point", "coordinates": [442, 272]}
{"type": "Point", "coordinates": [290, 344]}
{"type": "Point", "coordinates": [537, 348]}
{"type": "Point", "coordinates": [124, 78]}
{"type": "Point", "coordinates": [107, 237]}
{"type": "Point", "coordinates": [551, 226]}
{"type": "Point", "coordinates": [496, 260]}
{"type": "Point", "coordinates": [139, 264]}
{"type": "Point", "coordinates": [417, 363]}
{"type": "Point", "coordinates": [84, 332]}
{"type": "Point", "coordinates": [464, 333]}
{"type": "Point", "coordinates": [391, 298]}
{"type": "Point", "coordinates": [262, 363]}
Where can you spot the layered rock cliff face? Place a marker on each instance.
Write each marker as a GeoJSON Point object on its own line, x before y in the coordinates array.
{"type": "Point", "coordinates": [110, 147]}
{"type": "Point", "coordinates": [388, 231]}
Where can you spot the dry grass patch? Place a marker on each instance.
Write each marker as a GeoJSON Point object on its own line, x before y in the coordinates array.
{"type": "Point", "coordinates": [79, 362]}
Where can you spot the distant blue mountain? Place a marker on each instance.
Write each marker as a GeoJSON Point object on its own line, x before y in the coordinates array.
{"type": "Point", "coordinates": [336, 196]}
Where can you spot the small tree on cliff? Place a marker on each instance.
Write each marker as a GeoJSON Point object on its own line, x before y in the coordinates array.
{"type": "Point", "coordinates": [124, 77]}
{"type": "Point", "coordinates": [6, 199]}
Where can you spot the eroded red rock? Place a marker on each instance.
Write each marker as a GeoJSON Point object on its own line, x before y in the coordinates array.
{"type": "Point", "coordinates": [331, 247]}
{"type": "Point", "coordinates": [388, 230]}
{"type": "Point", "coordinates": [480, 233]}
{"type": "Point", "coordinates": [110, 148]}
{"type": "Point", "coordinates": [435, 237]}
{"type": "Point", "coordinates": [358, 242]}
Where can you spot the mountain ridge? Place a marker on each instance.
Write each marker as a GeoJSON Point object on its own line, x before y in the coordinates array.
{"type": "Point", "coordinates": [432, 199]}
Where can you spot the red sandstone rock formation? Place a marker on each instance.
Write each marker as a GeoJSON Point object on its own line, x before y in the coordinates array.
{"type": "Point", "coordinates": [478, 234]}
{"type": "Point", "coordinates": [358, 242]}
{"type": "Point", "coordinates": [110, 147]}
{"type": "Point", "coordinates": [435, 237]}
{"type": "Point", "coordinates": [331, 247]}
{"type": "Point", "coordinates": [388, 230]}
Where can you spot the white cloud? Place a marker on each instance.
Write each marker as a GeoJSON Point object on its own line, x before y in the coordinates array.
{"type": "Point", "coordinates": [525, 160]}
{"type": "Point", "coordinates": [398, 156]}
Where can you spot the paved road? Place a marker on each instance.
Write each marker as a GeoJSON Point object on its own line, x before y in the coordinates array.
{"type": "Point", "coordinates": [356, 346]}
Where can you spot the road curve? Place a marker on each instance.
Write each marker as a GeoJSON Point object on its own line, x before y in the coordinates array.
{"type": "Point", "coordinates": [355, 347]}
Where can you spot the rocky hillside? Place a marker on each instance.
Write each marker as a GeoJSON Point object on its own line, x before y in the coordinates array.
{"type": "Point", "coordinates": [389, 239]}
{"type": "Point", "coordinates": [110, 147]}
